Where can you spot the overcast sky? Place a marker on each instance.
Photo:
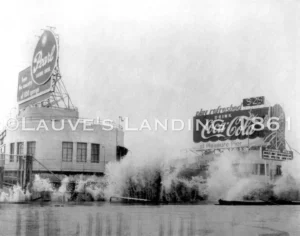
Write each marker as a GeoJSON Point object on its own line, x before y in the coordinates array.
{"type": "Point", "coordinates": [160, 59]}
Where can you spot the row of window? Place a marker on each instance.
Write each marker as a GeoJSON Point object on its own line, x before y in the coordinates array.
{"type": "Point", "coordinates": [258, 169]}
{"type": "Point", "coordinates": [81, 155]}
{"type": "Point", "coordinates": [20, 150]}
{"type": "Point", "coordinates": [263, 169]}
{"type": "Point", "coordinates": [67, 151]}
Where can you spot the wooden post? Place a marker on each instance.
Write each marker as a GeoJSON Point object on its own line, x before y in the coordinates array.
{"type": "Point", "coordinates": [19, 169]}
{"type": "Point", "coordinates": [28, 171]}
{"type": "Point", "coordinates": [2, 159]}
{"type": "Point", "coordinates": [22, 172]}
{"type": "Point", "coordinates": [1, 176]}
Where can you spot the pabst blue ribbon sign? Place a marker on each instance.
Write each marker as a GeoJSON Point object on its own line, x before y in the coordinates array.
{"type": "Point", "coordinates": [233, 128]}
{"type": "Point", "coordinates": [44, 58]}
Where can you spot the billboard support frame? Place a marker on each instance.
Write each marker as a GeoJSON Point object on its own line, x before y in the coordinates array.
{"type": "Point", "coordinates": [59, 92]}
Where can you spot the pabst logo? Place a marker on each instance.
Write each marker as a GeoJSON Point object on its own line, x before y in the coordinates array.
{"type": "Point", "coordinates": [44, 58]}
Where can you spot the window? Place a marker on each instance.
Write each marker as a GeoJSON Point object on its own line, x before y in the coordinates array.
{"type": "Point", "coordinates": [268, 169]}
{"type": "Point", "coordinates": [67, 151]}
{"type": "Point", "coordinates": [95, 153]}
{"type": "Point", "coordinates": [255, 169]}
{"type": "Point", "coordinates": [81, 152]}
{"type": "Point", "coordinates": [278, 170]}
{"type": "Point", "coordinates": [20, 150]}
{"type": "Point", "coordinates": [262, 169]}
{"type": "Point", "coordinates": [12, 152]}
{"type": "Point", "coordinates": [31, 149]}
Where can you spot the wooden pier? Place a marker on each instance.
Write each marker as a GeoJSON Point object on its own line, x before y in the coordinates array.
{"type": "Point", "coordinates": [24, 172]}
{"type": "Point", "coordinates": [129, 199]}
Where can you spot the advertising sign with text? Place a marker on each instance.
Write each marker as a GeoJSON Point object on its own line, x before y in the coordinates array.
{"type": "Point", "coordinates": [28, 90]}
{"type": "Point", "coordinates": [232, 129]}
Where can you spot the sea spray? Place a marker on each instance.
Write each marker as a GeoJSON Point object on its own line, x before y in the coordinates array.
{"type": "Point", "coordinates": [91, 186]}
{"type": "Point", "coordinates": [287, 187]}
{"type": "Point", "coordinates": [175, 188]}
{"type": "Point", "coordinates": [14, 194]}
{"type": "Point", "coordinates": [132, 177]}
{"type": "Point", "coordinates": [230, 178]}
{"type": "Point", "coordinates": [154, 179]}
{"type": "Point", "coordinates": [62, 194]}
{"type": "Point", "coordinates": [40, 184]}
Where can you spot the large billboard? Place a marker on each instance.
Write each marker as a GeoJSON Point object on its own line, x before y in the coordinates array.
{"type": "Point", "coordinates": [28, 90]}
{"type": "Point", "coordinates": [35, 82]}
{"type": "Point", "coordinates": [232, 127]}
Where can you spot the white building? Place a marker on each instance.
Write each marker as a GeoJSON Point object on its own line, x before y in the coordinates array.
{"type": "Point", "coordinates": [84, 149]}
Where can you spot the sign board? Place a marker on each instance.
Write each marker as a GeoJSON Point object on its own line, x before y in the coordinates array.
{"type": "Point", "coordinates": [255, 101]}
{"type": "Point", "coordinates": [275, 154]}
{"type": "Point", "coordinates": [232, 129]}
{"type": "Point", "coordinates": [28, 90]}
{"type": "Point", "coordinates": [44, 58]}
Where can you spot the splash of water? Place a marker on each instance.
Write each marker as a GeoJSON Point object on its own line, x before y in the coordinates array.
{"type": "Point", "coordinates": [159, 180]}
{"type": "Point", "coordinates": [41, 185]}
{"type": "Point", "coordinates": [154, 180]}
{"type": "Point", "coordinates": [91, 186]}
{"type": "Point", "coordinates": [230, 180]}
{"type": "Point", "coordinates": [14, 194]}
{"type": "Point", "coordinates": [288, 186]}
{"type": "Point", "coordinates": [233, 181]}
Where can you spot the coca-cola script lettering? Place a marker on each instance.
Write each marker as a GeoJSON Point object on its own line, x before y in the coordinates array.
{"type": "Point", "coordinates": [232, 126]}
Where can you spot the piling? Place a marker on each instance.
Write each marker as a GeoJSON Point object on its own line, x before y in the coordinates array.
{"type": "Point", "coordinates": [25, 171]}
{"type": "Point", "coordinates": [1, 172]}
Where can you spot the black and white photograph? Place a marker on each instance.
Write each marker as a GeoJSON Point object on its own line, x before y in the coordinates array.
{"type": "Point", "coordinates": [150, 118]}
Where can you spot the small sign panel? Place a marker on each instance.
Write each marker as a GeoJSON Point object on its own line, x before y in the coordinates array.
{"type": "Point", "coordinates": [276, 155]}
{"type": "Point", "coordinates": [28, 90]}
{"type": "Point", "coordinates": [255, 101]}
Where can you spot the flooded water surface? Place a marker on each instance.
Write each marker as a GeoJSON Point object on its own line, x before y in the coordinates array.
{"type": "Point", "coordinates": [121, 219]}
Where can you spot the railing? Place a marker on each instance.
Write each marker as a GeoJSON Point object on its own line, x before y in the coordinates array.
{"type": "Point", "coordinates": [42, 165]}
{"type": "Point", "coordinates": [22, 171]}
{"type": "Point", "coordinates": [20, 161]}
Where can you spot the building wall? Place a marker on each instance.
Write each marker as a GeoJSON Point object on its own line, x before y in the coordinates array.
{"type": "Point", "coordinates": [49, 144]}
{"type": "Point", "coordinates": [261, 169]}
{"type": "Point", "coordinates": [248, 164]}
{"type": "Point", "coordinates": [43, 112]}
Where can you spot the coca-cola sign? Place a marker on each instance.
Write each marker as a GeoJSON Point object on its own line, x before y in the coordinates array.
{"type": "Point", "coordinates": [242, 126]}
{"type": "Point", "coordinates": [44, 58]}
